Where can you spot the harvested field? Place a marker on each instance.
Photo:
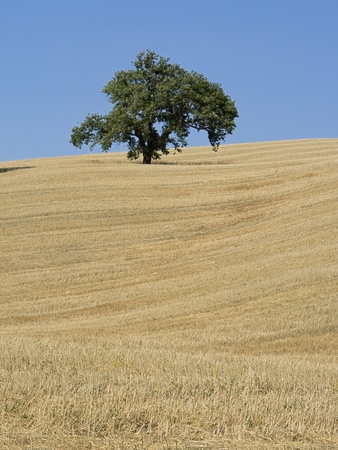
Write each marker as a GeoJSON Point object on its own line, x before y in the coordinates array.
{"type": "Point", "coordinates": [190, 304]}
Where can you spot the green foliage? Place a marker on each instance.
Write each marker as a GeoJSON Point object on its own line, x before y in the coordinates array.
{"type": "Point", "coordinates": [154, 107]}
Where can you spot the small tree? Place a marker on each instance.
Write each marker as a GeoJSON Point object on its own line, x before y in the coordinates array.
{"type": "Point", "coordinates": [154, 107]}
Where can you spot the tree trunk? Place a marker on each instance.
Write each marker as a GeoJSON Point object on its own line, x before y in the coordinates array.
{"type": "Point", "coordinates": [146, 158]}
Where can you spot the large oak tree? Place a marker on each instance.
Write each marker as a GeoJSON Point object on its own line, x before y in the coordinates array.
{"type": "Point", "coordinates": [155, 105]}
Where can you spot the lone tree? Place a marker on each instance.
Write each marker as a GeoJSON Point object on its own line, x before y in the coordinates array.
{"type": "Point", "coordinates": [154, 107]}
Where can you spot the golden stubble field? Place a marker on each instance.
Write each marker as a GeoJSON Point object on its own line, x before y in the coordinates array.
{"type": "Point", "coordinates": [190, 304]}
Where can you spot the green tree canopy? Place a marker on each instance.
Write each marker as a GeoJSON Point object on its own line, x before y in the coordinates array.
{"type": "Point", "coordinates": [154, 107]}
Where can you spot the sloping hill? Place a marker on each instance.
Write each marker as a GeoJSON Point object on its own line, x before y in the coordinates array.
{"type": "Point", "coordinates": [187, 304]}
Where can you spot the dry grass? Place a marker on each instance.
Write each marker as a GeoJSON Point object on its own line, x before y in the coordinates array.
{"type": "Point", "coordinates": [191, 304]}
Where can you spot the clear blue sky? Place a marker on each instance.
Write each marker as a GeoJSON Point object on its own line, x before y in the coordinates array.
{"type": "Point", "coordinates": [277, 58]}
